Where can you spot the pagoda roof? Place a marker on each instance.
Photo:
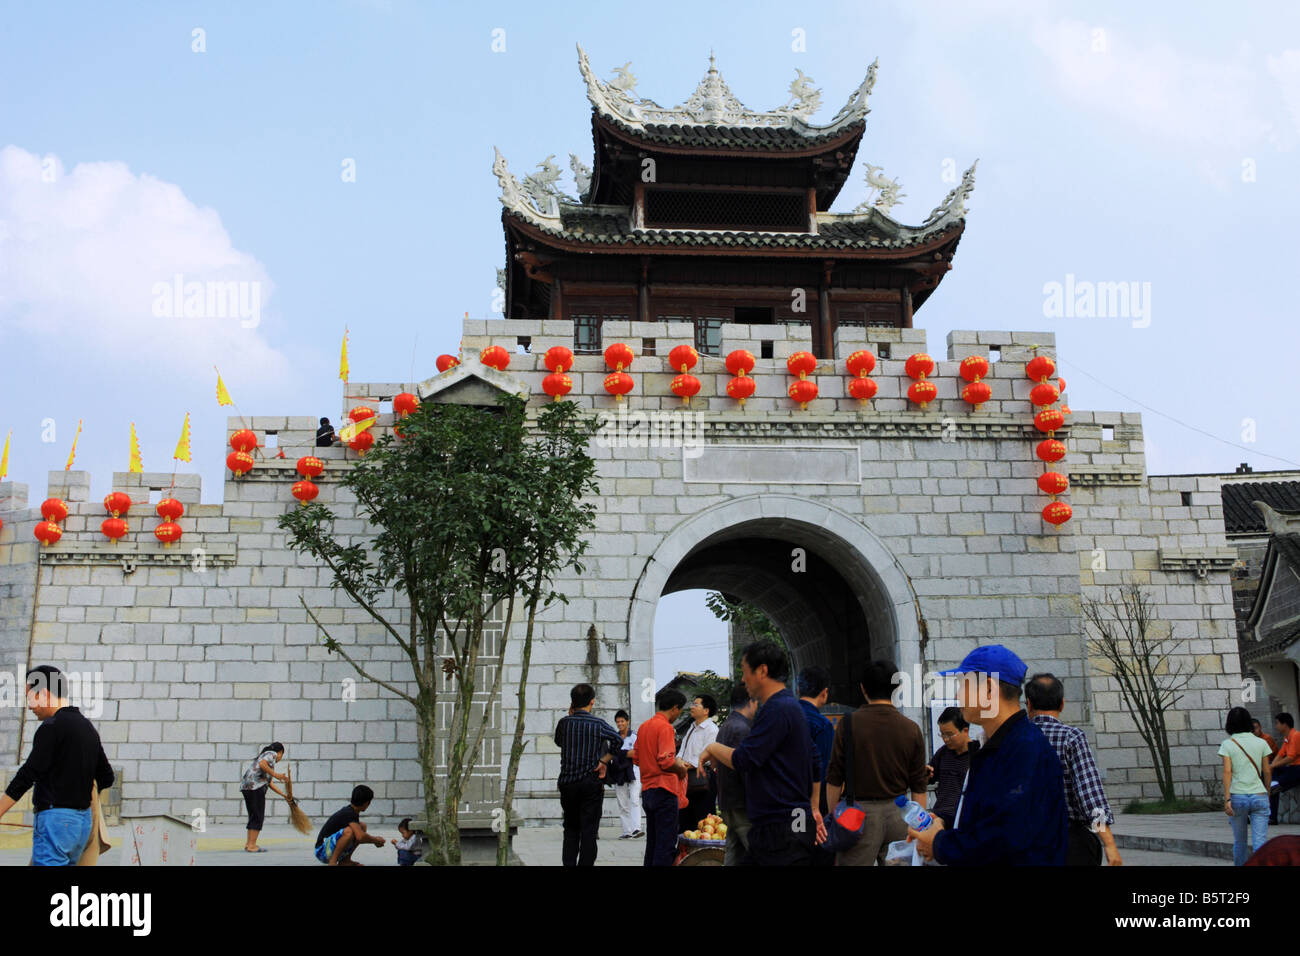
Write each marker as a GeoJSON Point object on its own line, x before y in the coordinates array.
{"type": "Point", "coordinates": [582, 224]}
{"type": "Point", "coordinates": [713, 118]}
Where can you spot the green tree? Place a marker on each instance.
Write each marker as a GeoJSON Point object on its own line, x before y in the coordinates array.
{"type": "Point", "coordinates": [454, 509]}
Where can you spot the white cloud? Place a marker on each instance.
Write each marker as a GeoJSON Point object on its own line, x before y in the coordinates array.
{"type": "Point", "coordinates": [82, 254]}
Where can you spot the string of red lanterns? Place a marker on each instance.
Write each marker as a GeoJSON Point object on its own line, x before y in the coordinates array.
{"type": "Point", "coordinates": [804, 390]}
{"type": "Point", "coordinates": [53, 510]}
{"type": "Point", "coordinates": [860, 365]}
{"type": "Point", "coordinates": [973, 369]}
{"type": "Point", "coordinates": [1043, 395]}
{"type": "Point", "coordinates": [740, 364]}
{"type": "Point", "coordinates": [618, 357]}
{"type": "Point", "coordinates": [685, 385]}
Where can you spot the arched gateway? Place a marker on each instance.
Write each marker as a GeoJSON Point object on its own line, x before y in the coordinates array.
{"type": "Point", "coordinates": [849, 600]}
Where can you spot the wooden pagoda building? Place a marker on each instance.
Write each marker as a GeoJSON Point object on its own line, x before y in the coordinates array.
{"type": "Point", "coordinates": [710, 213]}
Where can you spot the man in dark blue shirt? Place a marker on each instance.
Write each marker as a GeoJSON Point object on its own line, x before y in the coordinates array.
{"type": "Point", "coordinates": [778, 762]}
{"type": "Point", "coordinates": [587, 745]}
{"type": "Point", "coordinates": [1012, 812]}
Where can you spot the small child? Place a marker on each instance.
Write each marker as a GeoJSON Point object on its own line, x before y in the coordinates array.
{"type": "Point", "coordinates": [344, 832]}
{"type": "Point", "coordinates": [408, 847]}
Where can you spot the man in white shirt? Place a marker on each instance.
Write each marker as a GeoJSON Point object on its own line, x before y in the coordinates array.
{"type": "Point", "coordinates": [699, 790]}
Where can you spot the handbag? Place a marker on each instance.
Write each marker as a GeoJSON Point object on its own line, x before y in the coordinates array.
{"type": "Point", "coordinates": [847, 821]}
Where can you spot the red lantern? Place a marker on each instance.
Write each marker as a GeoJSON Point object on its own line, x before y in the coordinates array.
{"type": "Point", "coordinates": [1052, 482]}
{"type": "Point", "coordinates": [169, 509]}
{"type": "Point", "coordinates": [304, 491]}
{"type": "Point", "coordinates": [619, 356]}
{"type": "Point", "coordinates": [686, 386]}
{"type": "Point", "coordinates": [113, 528]}
{"type": "Point", "coordinates": [1050, 450]}
{"type": "Point", "coordinates": [558, 358]}
{"type": "Point", "coordinates": [862, 388]}
{"type": "Point", "coordinates": [1044, 394]}
{"type": "Point", "coordinates": [919, 366]}
{"type": "Point", "coordinates": [309, 466]}
{"type": "Point", "coordinates": [494, 356]}
{"type": "Point", "coordinates": [977, 393]}
{"type": "Point", "coordinates": [362, 442]}
{"type": "Point", "coordinates": [1057, 512]}
{"type": "Point", "coordinates": [404, 404]}
{"type": "Point", "coordinates": [741, 387]}
{"type": "Point", "coordinates": [168, 532]}
{"type": "Point", "coordinates": [802, 364]}
{"type": "Point", "coordinates": [922, 392]}
{"type": "Point", "coordinates": [618, 384]}
{"type": "Point", "coordinates": [117, 503]}
{"type": "Point", "coordinates": [54, 510]}
{"type": "Point", "coordinates": [557, 385]}
{"type": "Point", "coordinates": [683, 358]}
{"type": "Point", "coordinates": [861, 363]}
{"type": "Point", "coordinates": [361, 413]}
{"type": "Point", "coordinates": [803, 391]}
{"type": "Point", "coordinates": [244, 440]}
{"type": "Point", "coordinates": [240, 462]}
{"type": "Point", "coordinates": [740, 362]}
{"type": "Point", "coordinates": [1049, 420]}
{"type": "Point", "coordinates": [1060, 385]}
{"type": "Point", "coordinates": [446, 361]}
{"type": "Point", "coordinates": [973, 368]}
{"type": "Point", "coordinates": [47, 532]}
{"type": "Point", "coordinates": [1040, 368]}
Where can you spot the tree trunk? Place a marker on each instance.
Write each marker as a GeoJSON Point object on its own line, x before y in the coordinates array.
{"type": "Point", "coordinates": [444, 844]}
{"type": "Point", "coordinates": [517, 743]}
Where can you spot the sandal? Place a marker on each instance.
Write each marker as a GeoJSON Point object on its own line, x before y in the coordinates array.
{"type": "Point", "coordinates": [256, 849]}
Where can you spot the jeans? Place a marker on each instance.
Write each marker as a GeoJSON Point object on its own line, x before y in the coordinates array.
{"type": "Point", "coordinates": [582, 802]}
{"type": "Point", "coordinates": [660, 826]}
{"type": "Point", "coordinates": [1248, 809]}
{"type": "Point", "coordinates": [59, 836]}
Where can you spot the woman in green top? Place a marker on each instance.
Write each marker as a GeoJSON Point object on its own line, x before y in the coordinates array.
{"type": "Point", "coordinates": [1246, 776]}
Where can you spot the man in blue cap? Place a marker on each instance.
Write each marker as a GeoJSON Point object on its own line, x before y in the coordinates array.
{"type": "Point", "coordinates": [1012, 810]}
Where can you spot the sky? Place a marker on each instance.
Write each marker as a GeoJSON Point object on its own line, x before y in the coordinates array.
{"type": "Point", "coordinates": [336, 158]}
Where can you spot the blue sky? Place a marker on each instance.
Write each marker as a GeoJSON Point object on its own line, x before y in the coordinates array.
{"type": "Point", "coordinates": [1152, 145]}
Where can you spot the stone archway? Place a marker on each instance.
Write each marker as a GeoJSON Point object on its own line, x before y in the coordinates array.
{"type": "Point", "coordinates": [853, 602]}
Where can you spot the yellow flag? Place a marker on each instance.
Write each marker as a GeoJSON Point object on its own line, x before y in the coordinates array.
{"type": "Point", "coordinates": [343, 358]}
{"type": "Point", "coordinates": [134, 463]}
{"type": "Point", "coordinates": [183, 446]}
{"type": "Point", "coordinates": [349, 432]}
{"type": "Point", "coordinates": [4, 458]}
{"type": "Point", "coordinates": [223, 396]}
{"type": "Point", "coordinates": [73, 454]}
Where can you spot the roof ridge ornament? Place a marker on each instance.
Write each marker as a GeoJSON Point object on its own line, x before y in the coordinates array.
{"type": "Point", "coordinates": [954, 204]}
{"type": "Point", "coordinates": [538, 199]}
{"type": "Point", "coordinates": [713, 103]}
{"type": "Point", "coordinates": [886, 193]}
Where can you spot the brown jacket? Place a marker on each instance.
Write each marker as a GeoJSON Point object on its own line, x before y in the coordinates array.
{"type": "Point", "coordinates": [888, 754]}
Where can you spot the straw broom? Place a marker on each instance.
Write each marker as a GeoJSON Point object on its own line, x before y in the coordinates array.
{"type": "Point", "coordinates": [301, 822]}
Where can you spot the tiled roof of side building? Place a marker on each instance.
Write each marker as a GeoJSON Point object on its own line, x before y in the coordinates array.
{"type": "Point", "coordinates": [709, 136]}
{"type": "Point", "coordinates": [1240, 516]}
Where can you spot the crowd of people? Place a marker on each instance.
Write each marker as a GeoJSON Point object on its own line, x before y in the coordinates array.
{"type": "Point", "coordinates": [782, 776]}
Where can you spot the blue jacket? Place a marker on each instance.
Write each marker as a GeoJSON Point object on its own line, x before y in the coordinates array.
{"type": "Point", "coordinates": [1013, 812]}
{"type": "Point", "coordinates": [778, 762]}
{"type": "Point", "coordinates": [823, 737]}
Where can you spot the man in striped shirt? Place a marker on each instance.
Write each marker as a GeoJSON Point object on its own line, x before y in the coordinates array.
{"type": "Point", "coordinates": [587, 744]}
{"type": "Point", "coordinates": [1085, 799]}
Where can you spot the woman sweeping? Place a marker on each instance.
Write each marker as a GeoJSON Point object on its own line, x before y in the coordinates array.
{"type": "Point", "coordinates": [253, 785]}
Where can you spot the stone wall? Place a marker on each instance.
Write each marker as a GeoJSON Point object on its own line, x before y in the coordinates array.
{"type": "Point", "coordinates": [207, 653]}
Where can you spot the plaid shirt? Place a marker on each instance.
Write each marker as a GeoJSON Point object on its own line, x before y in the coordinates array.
{"type": "Point", "coordinates": [1083, 790]}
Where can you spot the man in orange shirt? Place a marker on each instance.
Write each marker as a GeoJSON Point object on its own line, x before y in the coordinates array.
{"type": "Point", "coordinates": [1286, 764]}
{"type": "Point", "coordinates": [663, 777]}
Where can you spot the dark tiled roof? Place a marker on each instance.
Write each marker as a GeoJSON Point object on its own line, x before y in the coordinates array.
{"type": "Point", "coordinates": [1242, 517]}
{"type": "Point", "coordinates": [775, 138]}
{"type": "Point", "coordinates": [611, 225]}
{"type": "Point", "coordinates": [1253, 651]}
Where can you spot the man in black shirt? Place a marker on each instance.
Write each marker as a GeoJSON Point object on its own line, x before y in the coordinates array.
{"type": "Point", "coordinates": [66, 759]}
{"type": "Point", "coordinates": [325, 436]}
{"type": "Point", "coordinates": [344, 831]}
{"type": "Point", "coordinates": [950, 763]}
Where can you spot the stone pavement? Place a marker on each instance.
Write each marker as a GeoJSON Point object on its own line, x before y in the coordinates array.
{"type": "Point", "coordinates": [1187, 839]}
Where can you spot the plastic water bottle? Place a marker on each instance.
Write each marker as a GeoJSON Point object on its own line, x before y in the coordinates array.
{"type": "Point", "coordinates": [917, 817]}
